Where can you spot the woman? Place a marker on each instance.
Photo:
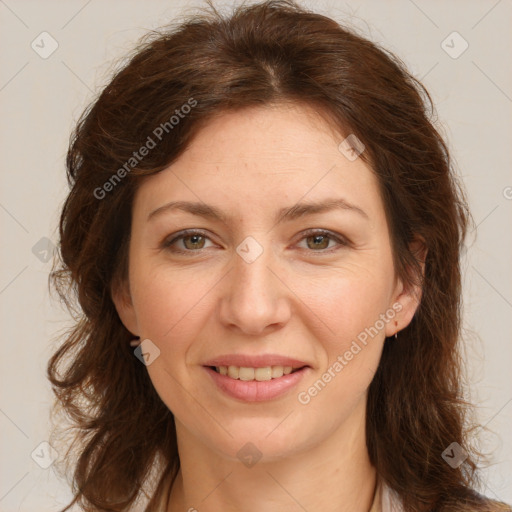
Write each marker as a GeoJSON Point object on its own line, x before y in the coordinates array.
{"type": "Point", "coordinates": [263, 233]}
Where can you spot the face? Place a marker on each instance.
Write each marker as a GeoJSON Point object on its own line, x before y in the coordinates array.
{"type": "Point", "coordinates": [259, 276]}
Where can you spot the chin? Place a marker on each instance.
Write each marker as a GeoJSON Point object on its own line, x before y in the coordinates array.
{"type": "Point", "coordinates": [260, 441]}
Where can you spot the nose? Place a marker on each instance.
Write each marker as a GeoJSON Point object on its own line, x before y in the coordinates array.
{"type": "Point", "coordinates": [255, 298]}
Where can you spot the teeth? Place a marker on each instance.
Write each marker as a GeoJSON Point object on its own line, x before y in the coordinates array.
{"type": "Point", "coordinates": [233, 372]}
{"type": "Point", "coordinates": [259, 374]}
{"type": "Point", "coordinates": [263, 373]}
{"type": "Point", "coordinates": [246, 373]}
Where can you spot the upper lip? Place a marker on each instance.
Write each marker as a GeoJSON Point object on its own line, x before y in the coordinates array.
{"type": "Point", "coordinates": [259, 361]}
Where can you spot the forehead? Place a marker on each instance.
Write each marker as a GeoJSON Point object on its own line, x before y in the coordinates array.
{"type": "Point", "coordinates": [258, 157]}
{"type": "Point", "coordinates": [281, 133]}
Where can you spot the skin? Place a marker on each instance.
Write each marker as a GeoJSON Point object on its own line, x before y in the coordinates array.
{"type": "Point", "coordinates": [296, 299]}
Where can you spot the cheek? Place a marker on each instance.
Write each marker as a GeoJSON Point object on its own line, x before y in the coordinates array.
{"type": "Point", "coordinates": [350, 312]}
{"type": "Point", "coordinates": [351, 335]}
{"type": "Point", "coordinates": [345, 303]}
{"type": "Point", "coordinates": [166, 302]}
{"type": "Point", "coordinates": [337, 306]}
{"type": "Point", "coordinates": [170, 312]}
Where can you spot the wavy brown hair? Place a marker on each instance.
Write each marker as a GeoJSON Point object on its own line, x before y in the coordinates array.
{"type": "Point", "coordinates": [267, 53]}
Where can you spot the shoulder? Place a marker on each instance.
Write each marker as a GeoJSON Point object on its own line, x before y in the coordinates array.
{"type": "Point", "coordinates": [390, 502]}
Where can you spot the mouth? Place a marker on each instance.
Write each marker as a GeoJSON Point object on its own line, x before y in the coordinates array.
{"type": "Point", "coordinates": [256, 384]}
{"type": "Point", "coordinates": [260, 374]}
{"type": "Point", "coordinates": [256, 377]}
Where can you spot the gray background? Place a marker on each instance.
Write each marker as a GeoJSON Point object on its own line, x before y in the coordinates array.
{"type": "Point", "coordinates": [40, 99]}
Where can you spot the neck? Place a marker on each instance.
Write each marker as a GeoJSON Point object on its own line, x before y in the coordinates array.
{"type": "Point", "coordinates": [334, 476]}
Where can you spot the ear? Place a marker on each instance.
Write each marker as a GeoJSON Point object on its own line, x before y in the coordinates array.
{"type": "Point", "coordinates": [121, 297]}
{"type": "Point", "coordinates": [409, 295]}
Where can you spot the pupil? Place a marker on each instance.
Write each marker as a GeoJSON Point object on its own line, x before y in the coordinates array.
{"type": "Point", "coordinates": [319, 239]}
{"type": "Point", "coordinates": [195, 239]}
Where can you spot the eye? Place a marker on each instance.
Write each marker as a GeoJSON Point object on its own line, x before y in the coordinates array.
{"type": "Point", "coordinates": [192, 241]}
{"type": "Point", "coordinates": [318, 240]}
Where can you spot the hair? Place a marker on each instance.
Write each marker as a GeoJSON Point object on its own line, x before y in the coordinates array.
{"type": "Point", "coordinates": [271, 53]}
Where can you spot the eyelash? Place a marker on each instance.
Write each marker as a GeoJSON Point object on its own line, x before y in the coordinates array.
{"type": "Point", "coordinates": [166, 244]}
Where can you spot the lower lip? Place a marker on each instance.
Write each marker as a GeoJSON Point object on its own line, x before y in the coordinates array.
{"type": "Point", "coordinates": [256, 391]}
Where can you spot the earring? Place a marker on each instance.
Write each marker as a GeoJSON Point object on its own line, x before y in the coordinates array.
{"type": "Point", "coordinates": [396, 333]}
{"type": "Point", "coordinates": [135, 343]}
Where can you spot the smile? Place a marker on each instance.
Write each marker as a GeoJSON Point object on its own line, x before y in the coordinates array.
{"type": "Point", "coordinates": [259, 374]}
{"type": "Point", "coordinates": [248, 384]}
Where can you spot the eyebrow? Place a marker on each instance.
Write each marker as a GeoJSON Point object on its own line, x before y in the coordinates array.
{"type": "Point", "coordinates": [284, 214]}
